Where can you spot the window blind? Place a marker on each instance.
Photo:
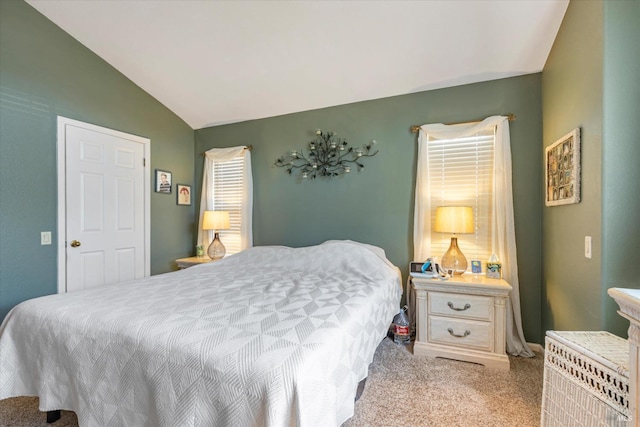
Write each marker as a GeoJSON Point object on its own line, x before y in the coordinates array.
{"type": "Point", "coordinates": [461, 174]}
{"type": "Point", "coordinates": [228, 184]}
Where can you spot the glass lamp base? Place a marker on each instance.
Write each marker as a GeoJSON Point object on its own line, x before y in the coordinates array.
{"type": "Point", "coordinates": [216, 249]}
{"type": "Point", "coordinates": [453, 261]}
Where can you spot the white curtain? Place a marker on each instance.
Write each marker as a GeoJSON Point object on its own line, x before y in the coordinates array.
{"type": "Point", "coordinates": [504, 237]}
{"type": "Point", "coordinates": [207, 200]}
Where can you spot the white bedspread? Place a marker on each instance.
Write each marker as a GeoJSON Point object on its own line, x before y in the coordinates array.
{"type": "Point", "coordinates": [272, 336]}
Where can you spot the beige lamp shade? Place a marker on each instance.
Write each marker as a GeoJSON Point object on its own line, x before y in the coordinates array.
{"type": "Point", "coordinates": [454, 219]}
{"type": "Point", "coordinates": [215, 220]}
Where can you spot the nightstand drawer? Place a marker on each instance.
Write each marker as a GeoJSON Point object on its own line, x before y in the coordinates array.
{"type": "Point", "coordinates": [459, 305]}
{"type": "Point", "coordinates": [471, 334]}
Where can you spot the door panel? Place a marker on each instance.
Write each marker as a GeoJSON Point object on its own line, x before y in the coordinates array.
{"type": "Point", "coordinates": [125, 204]}
{"type": "Point", "coordinates": [125, 264]}
{"type": "Point", "coordinates": [91, 270]}
{"type": "Point", "coordinates": [91, 204]}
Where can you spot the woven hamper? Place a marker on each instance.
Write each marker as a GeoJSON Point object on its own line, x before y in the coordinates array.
{"type": "Point", "coordinates": [586, 380]}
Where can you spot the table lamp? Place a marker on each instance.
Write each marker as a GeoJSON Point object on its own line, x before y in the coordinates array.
{"type": "Point", "coordinates": [454, 219]}
{"type": "Point", "coordinates": [216, 220]}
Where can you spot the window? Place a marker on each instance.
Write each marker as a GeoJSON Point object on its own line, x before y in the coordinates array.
{"type": "Point", "coordinates": [228, 181]}
{"type": "Point", "coordinates": [227, 185]}
{"type": "Point", "coordinates": [461, 174]}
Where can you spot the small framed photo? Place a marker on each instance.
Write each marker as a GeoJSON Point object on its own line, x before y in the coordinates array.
{"type": "Point", "coordinates": [163, 181]}
{"type": "Point", "coordinates": [562, 170]}
{"type": "Point", "coordinates": [476, 267]}
{"type": "Point", "coordinates": [184, 194]}
{"type": "Point", "coordinates": [494, 270]}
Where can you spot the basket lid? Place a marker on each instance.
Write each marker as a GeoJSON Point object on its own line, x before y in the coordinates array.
{"type": "Point", "coordinates": [602, 346]}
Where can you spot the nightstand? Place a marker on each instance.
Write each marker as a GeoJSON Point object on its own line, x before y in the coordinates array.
{"type": "Point", "coordinates": [194, 260]}
{"type": "Point", "coordinates": [462, 318]}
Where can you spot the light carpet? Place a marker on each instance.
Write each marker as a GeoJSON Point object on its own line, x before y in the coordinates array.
{"type": "Point", "coordinates": [403, 390]}
{"type": "Point", "coordinates": [407, 390]}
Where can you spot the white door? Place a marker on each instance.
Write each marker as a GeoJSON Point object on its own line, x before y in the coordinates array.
{"type": "Point", "coordinates": [106, 214]}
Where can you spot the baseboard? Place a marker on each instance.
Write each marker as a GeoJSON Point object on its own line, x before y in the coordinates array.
{"type": "Point", "coordinates": [535, 347]}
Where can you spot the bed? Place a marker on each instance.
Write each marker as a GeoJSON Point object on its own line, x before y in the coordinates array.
{"type": "Point", "coordinates": [272, 336]}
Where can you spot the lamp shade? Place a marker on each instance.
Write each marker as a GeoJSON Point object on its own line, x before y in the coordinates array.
{"type": "Point", "coordinates": [454, 219]}
{"type": "Point", "coordinates": [215, 220]}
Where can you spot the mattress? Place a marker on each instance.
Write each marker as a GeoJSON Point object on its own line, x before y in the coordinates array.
{"type": "Point", "coordinates": [272, 336]}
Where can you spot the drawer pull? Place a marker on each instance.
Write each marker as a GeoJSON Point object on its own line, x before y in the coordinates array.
{"type": "Point", "coordinates": [466, 307]}
{"type": "Point", "coordinates": [466, 333]}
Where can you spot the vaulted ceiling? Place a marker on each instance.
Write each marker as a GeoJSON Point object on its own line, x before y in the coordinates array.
{"type": "Point", "coordinates": [216, 62]}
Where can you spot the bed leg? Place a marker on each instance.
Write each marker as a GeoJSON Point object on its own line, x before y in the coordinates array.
{"type": "Point", "coordinates": [360, 389]}
{"type": "Point", "coordinates": [53, 416]}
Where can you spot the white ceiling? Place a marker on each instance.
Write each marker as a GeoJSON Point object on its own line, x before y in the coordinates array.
{"type": "Point", "coordinates": [216, 62]}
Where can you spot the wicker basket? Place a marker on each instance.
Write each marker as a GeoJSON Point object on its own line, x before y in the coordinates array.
{"type": "Point", "coordinates": [586, 380]}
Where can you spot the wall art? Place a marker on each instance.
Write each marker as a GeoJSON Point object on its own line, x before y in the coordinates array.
{"type": "Point", "coordinates": [163, 181]}
{"type": "Point", "coordinates": [184, 194]}
{"type": "Point", "coordinates": [562, 165]}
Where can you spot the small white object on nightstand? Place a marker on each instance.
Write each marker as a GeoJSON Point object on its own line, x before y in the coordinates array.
{"type": "Point", "coordinates": [463, 318]}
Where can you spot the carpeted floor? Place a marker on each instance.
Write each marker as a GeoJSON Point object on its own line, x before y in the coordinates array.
{"type": "Point", "coordinates": [403, 390]}
{"type": "Point", "coordinates": [418, 391]}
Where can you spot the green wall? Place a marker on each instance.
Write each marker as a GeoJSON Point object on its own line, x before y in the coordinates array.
{"type": "Point", "coordinates": [44, 72]}
{"type": "Point", "coordinates": [376, 205]}
{"type": "Point", "coordinates": [620, 155]}
{"type": "Point", "coordinates": [572, 97]}
{"type": "Point", "coordinates": [591, 81]}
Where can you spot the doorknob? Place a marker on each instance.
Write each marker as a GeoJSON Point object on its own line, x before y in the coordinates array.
{"type": "Point", "coordinates": [75, 243]}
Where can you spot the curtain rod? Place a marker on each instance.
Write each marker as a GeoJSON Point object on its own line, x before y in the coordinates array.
{"type": "Point", "coordinates": [249, 147]}
{"type": "Point", "coordinates": [510, 116]}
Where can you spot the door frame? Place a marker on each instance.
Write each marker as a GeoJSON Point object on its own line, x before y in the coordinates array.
{"type": "Point", "coordinates": [61, 150]}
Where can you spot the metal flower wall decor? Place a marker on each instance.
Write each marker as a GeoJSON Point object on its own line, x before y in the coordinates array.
{"type": "Point", "coordinates": [328, 156]}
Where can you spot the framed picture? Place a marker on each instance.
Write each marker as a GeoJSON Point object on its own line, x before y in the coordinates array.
{"type": "Point", "coordinates": [163, 181]}
{"type": "Point", "coordinates": [476, 267]}
{"type": "Point", "coordinates": [184, 194]}
{"type": "Point", "coordinates": [562, 166]}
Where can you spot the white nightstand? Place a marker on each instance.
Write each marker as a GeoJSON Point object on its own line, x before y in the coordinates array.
{"type": "Point", "coordinates": [194, 260]}
{"type": "Point", "coordinates": [462, 318]}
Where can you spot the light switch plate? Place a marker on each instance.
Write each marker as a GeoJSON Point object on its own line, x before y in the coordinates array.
{"type": "Point", "coordinates": [587, 247]}
{"type": "Point", "coordinates": [45, 238]}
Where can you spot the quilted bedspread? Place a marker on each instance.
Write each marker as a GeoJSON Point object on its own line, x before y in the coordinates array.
{"type": "Point", "coordinates": [272, 336]}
